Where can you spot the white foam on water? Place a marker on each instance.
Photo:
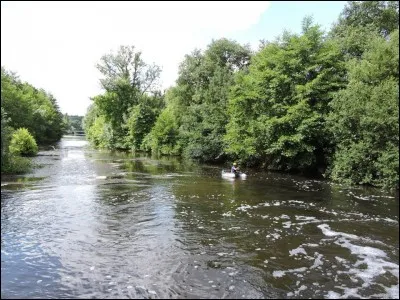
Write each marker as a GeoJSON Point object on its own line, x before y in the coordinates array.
{"type": "Point", "coordinates": [329, 212]}
{"type": "Point", "coordinates": [332, 295]}
{"type": "Point", "coordinates": [341, 260]}
{"type": "Point", "coordinates": [276, 235]}
{"type": "Point", "coordinates": [392, 293]}
{"type": "Point", "coordinates": [360, 197]}
{"type": "Point", "coordinates": [244, 207]}
{"type": "Point", "coordinates": [313, 221]}
{"type": "Point", "coordinates": [302, 288]}
{"type": "Point", "coordinates": [328, 232]}
{"type": "Point", "coordinates": [305, 218]}
{"type": "Point", "coordinates": [286, 224]}
{"type": "Point", "coordinates": [228, 214]}
{"type": "Point", "coordinates": [298, 250]}
{"type": "Point", "coordinates": [389, 197]}
{"type": "Point", "coordinates": [318, 260]}
{"type": "Point", "coordinates": [278, 274]}
{"type": "Point", "coordinates": [281, 273]}
{"type": "Point", "coordinates": [390, 220]}
{"type": "Point", "coordinates": [370, 265]}
{"type": "Point", "coordinates": [234, 228]}
{"type": "Point", "coordinates": [296, 201]}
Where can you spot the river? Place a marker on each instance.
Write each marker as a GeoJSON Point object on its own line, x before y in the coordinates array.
{"type": "Point", "coordinates": [96, 224]}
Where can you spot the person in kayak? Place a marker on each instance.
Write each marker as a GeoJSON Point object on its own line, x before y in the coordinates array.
{"type": "Point", "coordinates": [234, 168]}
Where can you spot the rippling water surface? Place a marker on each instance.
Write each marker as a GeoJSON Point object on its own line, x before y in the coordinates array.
{"type": "Point", "coordinates": [111, 225]}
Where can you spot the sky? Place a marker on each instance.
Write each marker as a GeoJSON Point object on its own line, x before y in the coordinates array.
{"type": "Point", "coordinates": [56, 45]}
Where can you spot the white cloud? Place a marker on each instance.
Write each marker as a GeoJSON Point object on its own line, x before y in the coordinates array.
{"type": "Point", "coordinates": [55, 45]}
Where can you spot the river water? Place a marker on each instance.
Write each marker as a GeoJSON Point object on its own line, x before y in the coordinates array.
{"type": "Point", "coordinates": [93, 224]}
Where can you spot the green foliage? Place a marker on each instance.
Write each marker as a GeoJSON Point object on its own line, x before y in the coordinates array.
{"type": "Point", "coordinates": [203, 87]}
{"type": "Point", "coordinates": [89, 118]}
{"type": "Point", "coordinates": [5, 132]}
{"type": "Point", "coordinates": [23, 143]}
{"type": "Point", "coordinates": [365, 118]}
{"type": "Point", "coordinates": [130, 90]}
{"type": "Point", "coordinates": [127, 73]}
{"type": "Point", "coordinates": [28, 107]}
{"type": "Point", "coordinates": [278, 109]}
{"type": "Point", "coordinates": [73, 123]}
{"type": "Point", "coordinates": [303, 102]}
{"type": "Point", "coordinates": [37, 115]}
{"type": "Point", "coordinates": [100, 134]}
{"type": "Point", "coordinates": [380, 16]}
{"type": "Point", "coordinates": [361, 20]}
{"type": "Point", "coordinates": [163, 138]}
{"type": "Point", "coordinates": [140, 122]}
{"type": "Point", "coordinates": [17, 165]}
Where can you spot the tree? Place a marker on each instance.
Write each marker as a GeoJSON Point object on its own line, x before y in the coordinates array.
{"type": "Point", "coordinates": [381, 16]}
{"type": "Point", "coordinates": [126, 80]}
{"type": "Point", "coordinates": [163, 138]}
{"type": "Point", "coordinates": [5, 131]}
{"type": "Point", "coordinates": [365, 118]}
{"type": "Point", "coordinates": [141, 120]}
{"type": "Point", "coordinates": [360, 20]}
{"type": "Point", "coordinates": [28, 107]}
{"type": "Point", "coordinates": [128, 66]}
{"type": "Point", "coordinates": [278, 109]}
{"type": "Point", "coordinates": [202, 88]}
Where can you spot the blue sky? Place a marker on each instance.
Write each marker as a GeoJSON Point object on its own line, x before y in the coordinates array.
{"type": "Point", "coordinates": [289, 15]}
{"type": "Point", "coordinates": [56, 45]}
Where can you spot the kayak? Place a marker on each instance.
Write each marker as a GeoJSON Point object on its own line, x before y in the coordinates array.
{"type": "Point", "coordinates": [233, 175]}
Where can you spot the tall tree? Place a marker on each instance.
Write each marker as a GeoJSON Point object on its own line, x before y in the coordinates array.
{"type": "Point", "coordinates": [278, 109]}
{"type": "Point", "coordinates": [365, 117]}
{"type": "Point", "coordinates": [126, 80]}
{"type": "Point", "coordinates": [203, 86]}
{"type": "Point", "coordinates": [28, 107]}
{"type": "Point", "coordinates": [360, 20]}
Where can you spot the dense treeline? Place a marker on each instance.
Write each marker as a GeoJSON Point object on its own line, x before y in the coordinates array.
{"type": "Point", "coordinates": [312, 101]}
{"type": "Point", "coordinates": [29, 117]}
{"type": "Point", "coordinates": [73, 123]}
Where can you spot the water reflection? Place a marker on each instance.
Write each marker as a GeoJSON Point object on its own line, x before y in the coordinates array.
{"type": "Point", "coordinates": [112, 225]}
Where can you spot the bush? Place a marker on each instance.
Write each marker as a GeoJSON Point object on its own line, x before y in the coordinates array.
{"type": "Point", "coordinates": [17, 165]}
{"type": "Point", "coordinates": [23, 143]}
{"type": "Point", "coordinates": [4, 137]}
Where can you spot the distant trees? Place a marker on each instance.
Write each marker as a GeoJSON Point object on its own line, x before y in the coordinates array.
{"type": "Point", "coordinates": [131, 98]}
{"type": "Point", "coordinates": [33, 113]}
{"type": "Point", "coordinates": [73, 123]}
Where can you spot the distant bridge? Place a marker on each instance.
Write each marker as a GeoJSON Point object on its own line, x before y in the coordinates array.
{"type": "Point", "coordinates": [76, 132]}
